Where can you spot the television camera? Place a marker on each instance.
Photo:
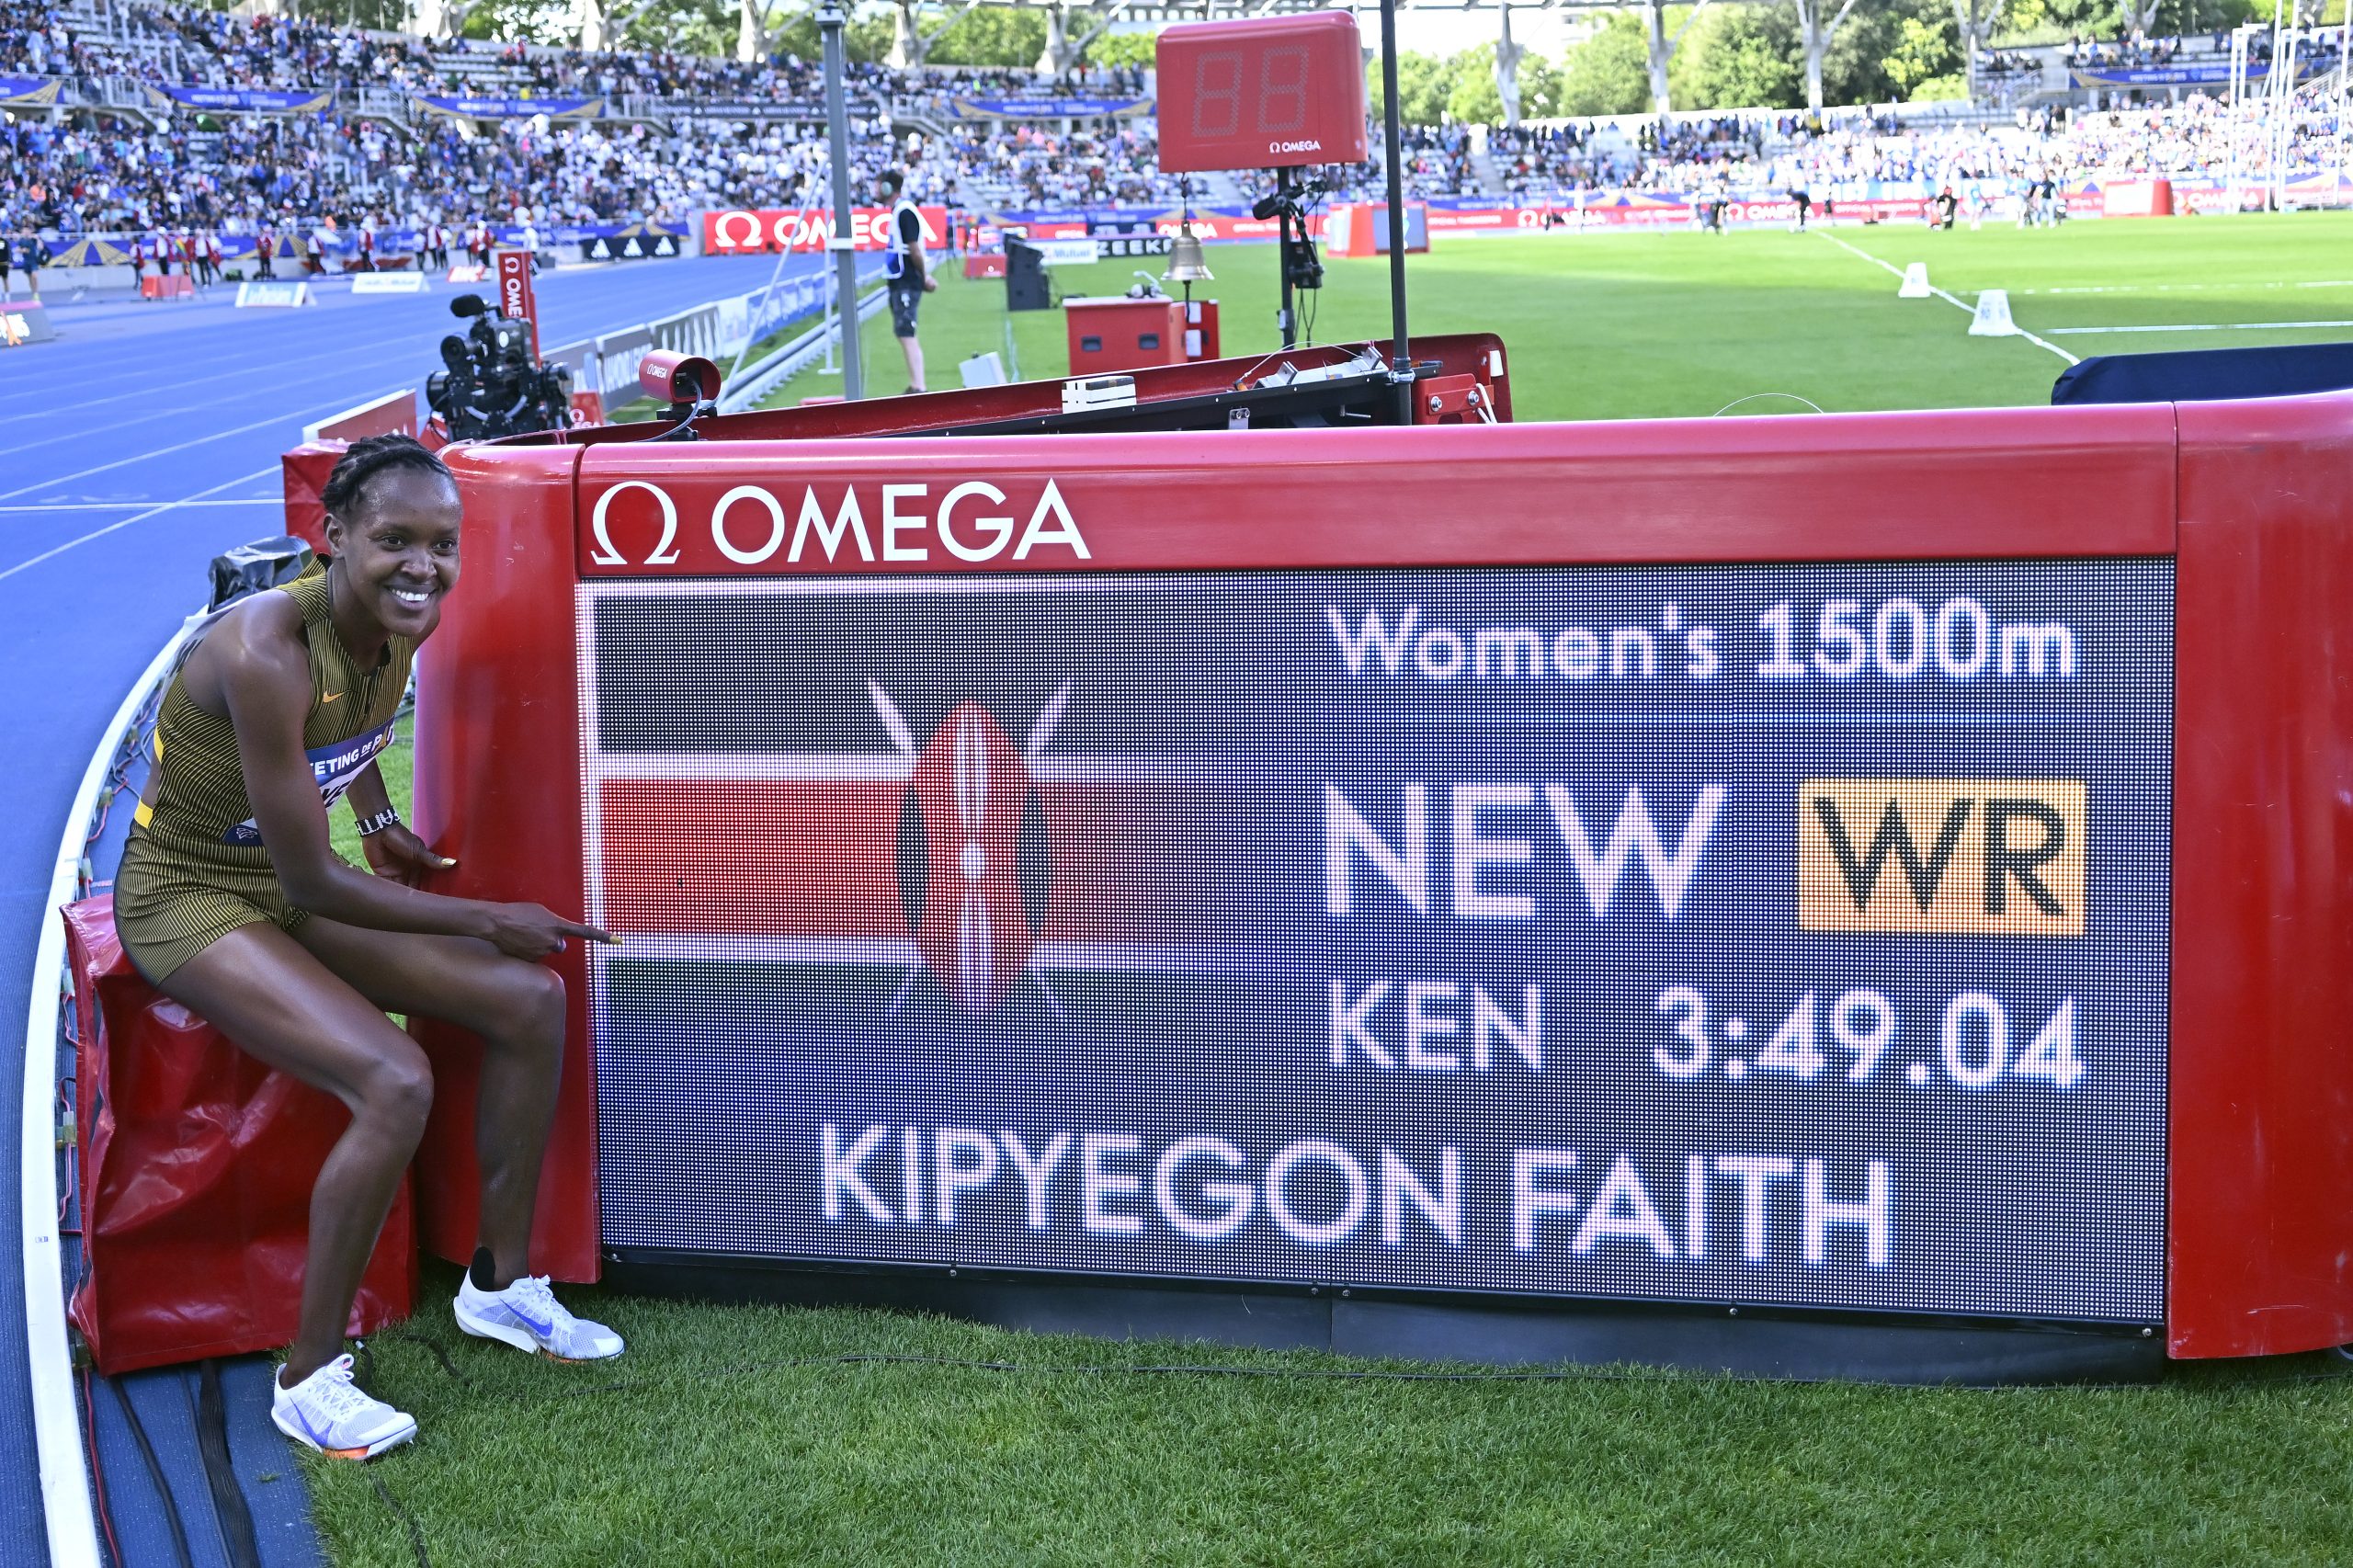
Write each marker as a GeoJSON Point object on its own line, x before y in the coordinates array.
{"type": "Point", "coordinates": [1302, 269]}
{"type": "Point", "coordinates": [492, 386]}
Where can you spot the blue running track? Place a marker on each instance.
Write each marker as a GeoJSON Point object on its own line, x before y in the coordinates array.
{"type": "Point", "coordinates": [133, 450]}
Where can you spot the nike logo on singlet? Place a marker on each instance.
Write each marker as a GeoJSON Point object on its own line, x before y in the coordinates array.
{"type": "Point", "coordinates": [331, 697]}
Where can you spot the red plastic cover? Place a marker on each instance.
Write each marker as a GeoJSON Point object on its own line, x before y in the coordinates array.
{"type": "Point", "coordinates": [197, 1164]}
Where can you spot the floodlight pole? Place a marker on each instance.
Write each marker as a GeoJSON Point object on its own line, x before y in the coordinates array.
{"type": "Point", "coordinates": [830, 14]}
{"type": "Point", "coordinates": [1401, 356]}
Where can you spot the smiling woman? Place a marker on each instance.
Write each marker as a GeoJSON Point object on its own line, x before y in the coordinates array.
{"type": "Point", "coordinates": [230, 901]}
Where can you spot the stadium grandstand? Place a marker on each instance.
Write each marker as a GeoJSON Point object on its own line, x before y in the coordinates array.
{"type": "Point", "coordinates": [146, 119]}
{"type": "Point", "coordinates": [1633, 850]}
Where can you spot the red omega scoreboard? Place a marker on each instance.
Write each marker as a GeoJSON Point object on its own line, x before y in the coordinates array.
{"type": "Point", "coordinates": [1262, 93]}
{"type": "Point", "coordinates": [1864, 892]}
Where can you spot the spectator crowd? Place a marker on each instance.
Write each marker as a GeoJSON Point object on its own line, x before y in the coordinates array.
{"type": "Point", "coordinates": [729, 134]}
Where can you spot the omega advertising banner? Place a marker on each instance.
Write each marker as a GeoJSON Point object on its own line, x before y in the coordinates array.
{"type": "Point", "coordinates": [1788, 935]}
{"type": "Point", "coordinates": [28, 92]}
{"type": "Point", "coordinates": [1049, 107]}
{"type": "Point", "coordinates": [741, 231]}
{"type": "Point", "coordinates": [241, 100]}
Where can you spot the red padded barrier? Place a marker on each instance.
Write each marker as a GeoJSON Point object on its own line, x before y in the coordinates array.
{"type": "Point", "coordinates": [197, 1164]}
{"type": "Point", "coordinates": [2259, 1243]}
{"type": "Point", "coordinates": [305, 471]}
{"type": "Point", "coordinates": [520, 579]}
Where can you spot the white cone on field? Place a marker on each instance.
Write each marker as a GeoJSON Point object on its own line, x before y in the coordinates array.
{"type": "Point", "coordinates": [1992, 318]}
{"type": "Point", "coordinates": [1915, 282]}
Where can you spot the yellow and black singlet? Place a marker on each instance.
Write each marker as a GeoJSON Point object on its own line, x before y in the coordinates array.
{"type": "Point", "coordinates": [196, 868]}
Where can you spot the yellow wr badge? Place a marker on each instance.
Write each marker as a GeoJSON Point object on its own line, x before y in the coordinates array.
{"type": "Point", "coordinates": [1978, 856]}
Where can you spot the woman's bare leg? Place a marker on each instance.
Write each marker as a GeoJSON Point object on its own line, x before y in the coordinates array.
{"type": "Point", "coordinates": [516, 1008]}
{"type": "Point", "coordinates": [260, 988]}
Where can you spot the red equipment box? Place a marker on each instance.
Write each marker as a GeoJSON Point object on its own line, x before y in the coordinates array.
{"type": "Point", "coordinates": [1269, 91]}
{"type": "Point", "coordinates": [197, 1164]}
{"type": "Point", "coordinates": [1160, 858]}
{"type": "Point", "coordinates": [1361, 228]}
{"type": "Point", "coordinates": [1201, 330]}
{"type": "Point", "coordinates": [1118, 334]}
{"type": "Point", "coordinates": [2137, 198]}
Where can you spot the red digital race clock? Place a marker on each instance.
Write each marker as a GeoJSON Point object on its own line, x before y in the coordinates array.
{"type": "Point", "coordinates": [1267, 93]}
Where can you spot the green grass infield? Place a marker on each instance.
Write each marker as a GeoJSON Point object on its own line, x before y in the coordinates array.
{"type": "Point", "coordinates": [1682, 325]}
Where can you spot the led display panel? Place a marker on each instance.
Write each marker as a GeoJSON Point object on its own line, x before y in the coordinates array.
{"type": "Point", "coordinates": [1788, 935]}
{"type": "Point", "coordinates": [1261, 93]}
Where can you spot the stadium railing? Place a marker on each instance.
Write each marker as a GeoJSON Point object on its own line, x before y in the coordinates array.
{"type": "Point", "coordinates": [68, 1516]}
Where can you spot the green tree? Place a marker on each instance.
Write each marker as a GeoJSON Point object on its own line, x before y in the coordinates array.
{"type": "Point", "coordinates": [1886, 51]}
{"type": "Point", "coordinates": [992, 35]}
{"type": "Point", "coordinates": [1740, 57]}
{"type": "Point", "coordinates": [864, 42]}
{"type": "Point", "coordinates": [1539, 87]}
{"type": "Point", "coordinates": [690, 26]}
{"type": "Point", "coordinates": [2058, 18]}
{"type": "Point", "coordinates": [1119, 49]}
{"type": "Point", "coordinates": [1926, 48]}
{"type": "Point", "coordinates": [1471, 96]}
{"type": "Point", "coordinates": [518, 21]}
{"type": "Point", "coordinates": [1423, 84]}
{"type": "Point", "coordinates": [1608, 73]}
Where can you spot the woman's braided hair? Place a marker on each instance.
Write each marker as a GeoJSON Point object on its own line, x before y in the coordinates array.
{"type": "Point", "coordinates": [369, 457]}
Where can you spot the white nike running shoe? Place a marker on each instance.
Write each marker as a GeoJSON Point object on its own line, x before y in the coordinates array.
{"type": "Point", "coordinates": [326, 1412]}
{"type": "Point", "coordinates": [527, 1316]}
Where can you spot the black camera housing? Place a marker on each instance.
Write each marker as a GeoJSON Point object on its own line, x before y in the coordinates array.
{"type": "Point", "coordinates": [491, 386]}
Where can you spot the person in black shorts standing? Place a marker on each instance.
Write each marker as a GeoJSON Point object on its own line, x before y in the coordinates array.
{"type": "Point", "coordinates": [32, 256]}
{"type": "Point", "coordinates": [909, 274]}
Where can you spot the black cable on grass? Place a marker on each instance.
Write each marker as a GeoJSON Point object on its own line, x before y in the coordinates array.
{"type": "Point", "coordinates": [416, 1532]}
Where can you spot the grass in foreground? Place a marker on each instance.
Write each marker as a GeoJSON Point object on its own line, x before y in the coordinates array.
{"type": "Point", "coordinates": [1661, 325]}
{"type": "Point", "coordinates": [733, 1435]}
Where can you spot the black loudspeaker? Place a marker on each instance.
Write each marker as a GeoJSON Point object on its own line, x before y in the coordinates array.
{"type": "Point", "coordinates": [1025, 278]}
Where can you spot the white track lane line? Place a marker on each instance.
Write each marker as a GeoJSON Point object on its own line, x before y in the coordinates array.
{"type": "Point", "coordinates": [264, 355]}
{"type": "Point", "coordinates": [135, 517]}
{"type": "Point", "coordinates": [338, 406]}
{"type": "Point", "coordinates": [2198, 326]}
{"type": "Point", "coordinates": [237, 371]}
{"type": "Point", "coordinates": [1954, 300]}
{"type": "Point", "coordinates": [2184, 287]}
{"type": "Point", "coordinates": [145, 415]}
{"type": "Point", "coordinates": [134, 501]}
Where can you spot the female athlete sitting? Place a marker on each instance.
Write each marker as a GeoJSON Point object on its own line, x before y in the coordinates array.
{"type": "Point", "coordinates": [230, 902]}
